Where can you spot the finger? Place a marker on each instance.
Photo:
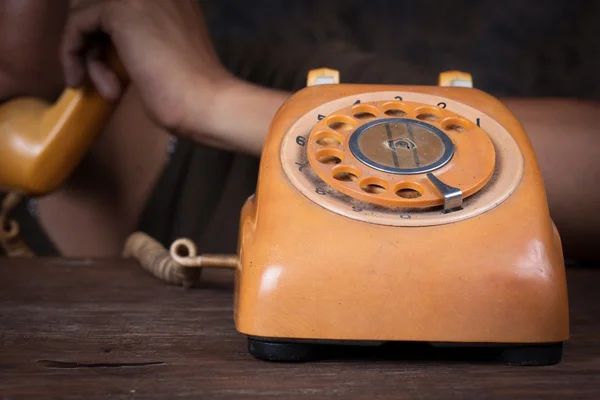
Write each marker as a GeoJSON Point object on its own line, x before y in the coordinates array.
{"type": "Point", "coordinates": [104, 79]}
{"type": "Point", "coordinates": [82, 22]}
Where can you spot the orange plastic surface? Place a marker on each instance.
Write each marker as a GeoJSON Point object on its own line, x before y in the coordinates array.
{"type": "Point", "coordinates": [455, 78]}
{"type": "Point", "coordinates": [42, 143]}
{"type": "Point", "coordinates": [309, 273]}
{"type": "Point", "coordinates": [321, 76]}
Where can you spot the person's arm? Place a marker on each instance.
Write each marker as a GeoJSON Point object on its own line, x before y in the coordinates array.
{"type": "Point", "coordinates": [240, 119]}
{"type": "Point", "coordinates": [166, 49]}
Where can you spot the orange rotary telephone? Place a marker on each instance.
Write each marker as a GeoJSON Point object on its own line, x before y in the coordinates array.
{"type": "Point", "coordinates": [399, 213]}
{"type": "Point", "coordinates": [382, 213]}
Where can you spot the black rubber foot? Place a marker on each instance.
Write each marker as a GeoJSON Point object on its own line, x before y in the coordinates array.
{"type": "Point", "coordinates": [282, 351]}
{"type": "Point", "coordinates": [511, 354]}
{"type": "Point", "coordinates": [542, 354]}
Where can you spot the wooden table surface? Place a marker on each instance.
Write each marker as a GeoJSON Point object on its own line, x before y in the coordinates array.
{"type": "Point", "coordinates": [105, 329]}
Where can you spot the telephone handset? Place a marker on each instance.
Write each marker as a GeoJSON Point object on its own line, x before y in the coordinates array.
{"type": "Point", "coordinates": [42, 143]}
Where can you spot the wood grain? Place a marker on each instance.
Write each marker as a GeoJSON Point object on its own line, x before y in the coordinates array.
{"type": "Point", "coordinates": [99, 329]}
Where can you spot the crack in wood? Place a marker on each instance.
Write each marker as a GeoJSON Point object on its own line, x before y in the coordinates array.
{"type": "Point", "coordinates": [74, 365]}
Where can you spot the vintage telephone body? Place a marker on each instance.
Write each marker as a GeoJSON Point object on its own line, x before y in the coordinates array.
{"type": "Point", "coordinates": [400, 213]}
{"type": "Point", "coordinates": [382, 213]}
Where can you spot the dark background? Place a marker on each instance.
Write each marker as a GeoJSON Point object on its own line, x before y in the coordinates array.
{"type": "Point", "coordinates": [512, 47]}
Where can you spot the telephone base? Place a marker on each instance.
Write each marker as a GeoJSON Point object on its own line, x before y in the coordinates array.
{"type": "Point", "coordinates": [527, 354]}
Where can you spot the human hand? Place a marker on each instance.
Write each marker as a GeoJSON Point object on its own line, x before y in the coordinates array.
{"type": "Point", "coordinates": [163, 44]}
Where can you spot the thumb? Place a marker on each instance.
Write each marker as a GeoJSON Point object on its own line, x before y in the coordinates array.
{"type": "Point", "coordinates": [104, 79]}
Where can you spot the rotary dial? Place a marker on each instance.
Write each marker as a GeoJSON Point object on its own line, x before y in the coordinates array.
{"type": "Point", "coordinates": [401, 158]}
{"type": "Point", "coordinates": [393, 153]}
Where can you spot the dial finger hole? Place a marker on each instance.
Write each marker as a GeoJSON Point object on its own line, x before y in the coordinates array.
{"type": "Point", "coordinates": [428, 114]}
{"type": "Point", "coordinates": [454, 124]}
{"type": "Point", "coordinates": [364, 111]}
{"type": "Point", "coordinates": [408, 190]}
{"type": "Point", "coordinates": [328, 138]}
{"type": "Point", "coordinates": [394, 109]}
{"type": "Point", "coordinates": [408, 193]}
{"type": "Point", "coordinates": [328, 141]}
{"type": "Point", "coordinates": [341, 123]}
{"type": "Point", "coordinates": [345, 173]}
{"type": "Point", "coordinates": [373, 185]}
{"type": "Point", "coordinates": [330, 156]}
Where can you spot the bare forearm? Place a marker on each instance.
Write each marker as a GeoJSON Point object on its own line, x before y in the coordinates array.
{"type": "Point", "coordinates": [238, 119]}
